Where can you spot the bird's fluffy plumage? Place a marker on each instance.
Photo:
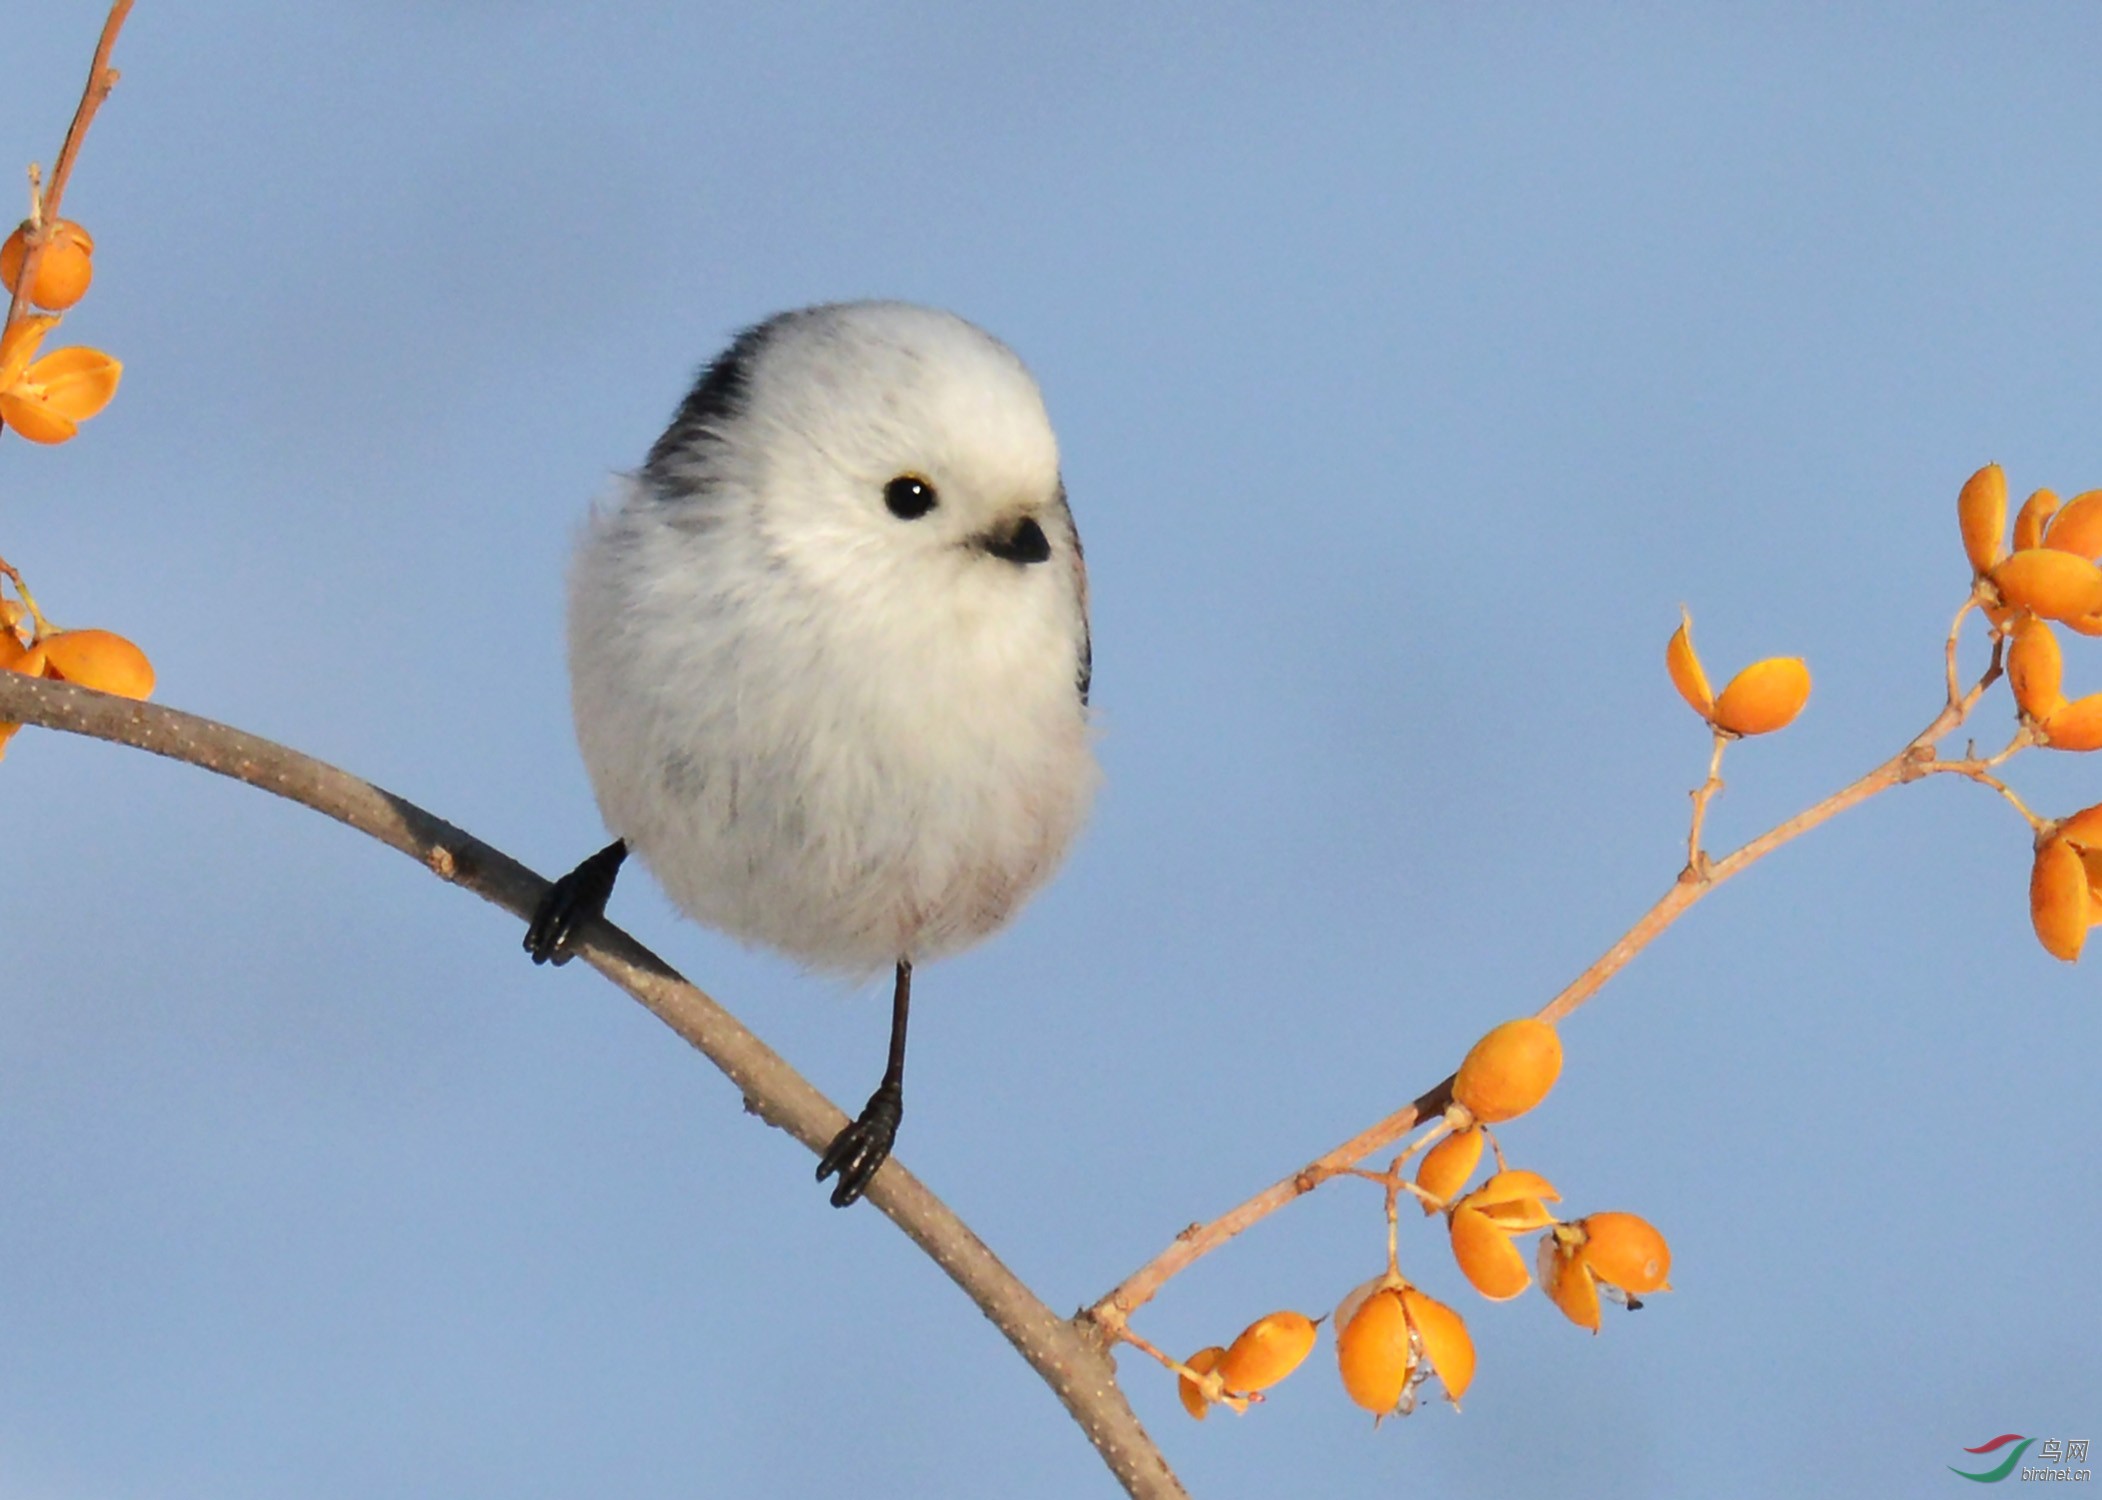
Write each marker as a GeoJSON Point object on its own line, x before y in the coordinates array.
{"type": "Point", "coordinates": [849, 736]}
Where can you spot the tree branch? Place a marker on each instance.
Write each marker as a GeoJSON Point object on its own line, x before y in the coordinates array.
{"type": "Point", "coordinates": [1070, 1356]}
{"type": "Point", "coordinates": [1113, 1312]}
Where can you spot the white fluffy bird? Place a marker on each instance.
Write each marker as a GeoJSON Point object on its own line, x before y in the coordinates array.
{"type": "Point", "coordinates": [829, 658]}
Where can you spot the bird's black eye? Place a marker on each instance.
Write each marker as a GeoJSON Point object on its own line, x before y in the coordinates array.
{"type": "Point", "coordinates": [909, 497]}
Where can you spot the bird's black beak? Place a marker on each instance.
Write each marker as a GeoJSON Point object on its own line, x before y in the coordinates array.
{"type": "Point", "coordinates": [1022, 544]}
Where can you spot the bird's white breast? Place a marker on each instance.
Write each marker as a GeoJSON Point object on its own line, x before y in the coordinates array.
{"type": "Point", "coordinates": [880, 763]}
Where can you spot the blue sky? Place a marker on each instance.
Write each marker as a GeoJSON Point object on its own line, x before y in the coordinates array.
{"type": "Point", "coordinates": [1412, 365]}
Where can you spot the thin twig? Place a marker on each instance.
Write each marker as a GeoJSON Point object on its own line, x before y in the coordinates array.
{"type": "Point", "coordinates": [1980, 771]}
{"type": "Point", "coordinates": [39, 624]}
{"type": "Point", "coordinates": [1697, 857]}
{"type": "Point", "coordinates": [101, 79]}
{"type": "Point", "coordinates": [1068, 1354]}
{"type": "Point", "coordinates": [1393, 1212]}
{"type": "Point", "coordinates": [1208, 1383]}
{"type": "Point", "coordinates": [1952, 678]}
{"type": "Point", "coordinates": [2023, 739]}
{"type": "Point", "coordinates": [1440, 1128]}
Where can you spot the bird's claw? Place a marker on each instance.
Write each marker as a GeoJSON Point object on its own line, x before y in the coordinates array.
{"type": "Point", "coordinates": [574, 901]}
{"type": "Point", "coordinates": [864, 1146]}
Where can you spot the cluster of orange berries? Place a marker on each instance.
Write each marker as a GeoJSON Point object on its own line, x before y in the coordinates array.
{"type": "Point", "coordinates": [98, 659]}
{"type": "Point", "coordinates": [2050, 574]}
{"type": "Point", "coordinates": [46, 399]}
{"type": "Point", "coordinates": [49, 264]}
{"type": "Point", "coordinates": [1391, 1336]}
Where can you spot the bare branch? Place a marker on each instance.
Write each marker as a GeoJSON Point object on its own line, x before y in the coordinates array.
{"type": "Point", "coordinates": [1070, 1355]}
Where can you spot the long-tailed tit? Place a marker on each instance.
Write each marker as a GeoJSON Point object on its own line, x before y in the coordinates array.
{"type": "Point", "coordinates": [829, 659]}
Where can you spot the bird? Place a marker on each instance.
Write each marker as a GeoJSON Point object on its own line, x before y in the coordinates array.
{"type": "Point", "coordinates": [830, 662]}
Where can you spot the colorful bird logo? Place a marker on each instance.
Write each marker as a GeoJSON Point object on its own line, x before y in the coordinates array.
{"type": "Point", "coordinates": [1994, 1476]}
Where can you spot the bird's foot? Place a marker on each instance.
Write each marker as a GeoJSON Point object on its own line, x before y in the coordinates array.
{"type": "Point", "coordinates": [857, 1151]}
{"type": "Point", "coordinates": [575, 900]}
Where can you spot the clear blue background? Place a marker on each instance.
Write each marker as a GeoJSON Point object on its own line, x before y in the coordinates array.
{"type": "Point", "coordinates": [1412, 365]}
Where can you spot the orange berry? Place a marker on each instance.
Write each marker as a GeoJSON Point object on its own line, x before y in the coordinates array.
{"type": "Point", "coordinates": [1486, 1256]}
{"type": "Point", "coordinates": [1204, 1361]}
{"type": "Point", "coordinates": [1442, 1335]}
{"type": "Point", "coordinates": [1482, 1223]}
{"type": "Point", "coordinates": [2047, 582]}
{"type": "Point", "coordinates": [99, 659]}
{"type": "Point", "coordinates": [1372, 1346]}
{"type": "Point", "coordinates": [19, 342]}
{"type": "Point", "coordinates": [2035, 668]}
{"type": "Point", "coordinates": [2032, 520]}
{"type": "Point", "coordinates": [1568, 1281]}
{"type": "Point", "coordinates": [1981, 511]}
{"type": "Point", "coordinates": [1509, 1071]}
{"type": "Point", "coordinates": [2078, 528]}
{"type": "Point", "coordinates": [2059, 902]}
{"type": "Point", "coordinates": [1267, 1351]}
{"type": "Point", "coordinates": [34, 421]}
{"type": "Point", "coordinates": [2083, 830]}
{"type": "Point", "coordinates": [76, 382]}
{"type": "Point", "coordinates": [31, 662]}
{"type": "Point", "coordinates": [63, 270]}
{"type": "Point", "coordinates": [1514, 1200]}
{"type": "Point", "coordinates": [1446, 1167]}
{"type": "Point", "coordinates": [1767, 695]}
{"type": "Point", "coordinates": [2076, 725]}
{"type": "Point", "coordinates": [1626, 1251]}
{"type": "Point", "coordinates": [2091, 860]}
{"type": "Point", "coordinates": [1685, 668]}
{"type": "Point", "coordinates": [47, 401]}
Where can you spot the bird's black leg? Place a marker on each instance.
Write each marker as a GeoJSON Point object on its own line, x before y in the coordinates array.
{"type": "Point", "coordinates": [577, 898]}
{"type": "Point", "coordinates": [857, 1151]}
